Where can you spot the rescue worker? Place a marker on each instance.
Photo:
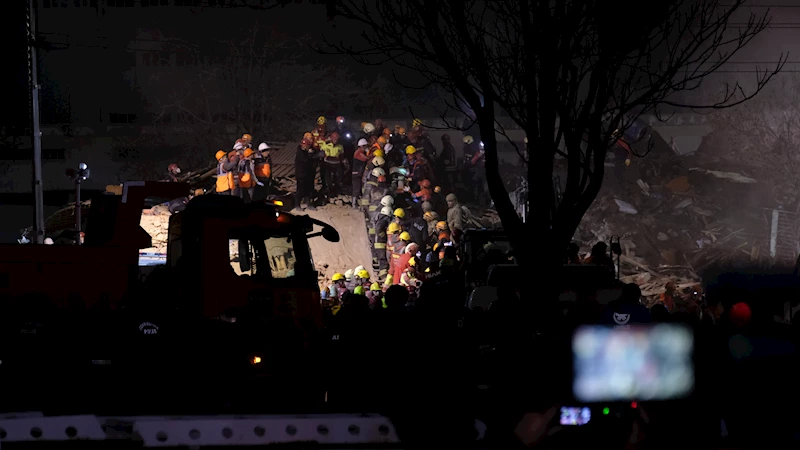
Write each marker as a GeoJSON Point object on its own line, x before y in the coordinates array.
{"type": "Point", "coordinates": [399, 215]}
{"type": "Point", "coordinates": [438, 202]}
{"type": "Point", "coordinates": [424, 194]}
{"type": "Point", "coordinates": [408, 278]}
{"type": "Point", "coordinates": [410, 250]}
{"type": "Point", "coordinates": [359, 163]}
{"type": "Point", "coordinates": [375, 296]}
{"type": "Point", "coordinates": [339, 280]}
{"type": "Point", "coordinates": [392, 240]}
{"type": "Point", "coordinates": [263, 166]}
{"type": "Point", "coordinates": [381, 225]}
{"type": "Point", "coordinates": [333, 163]}
{"type": "Point", "coordinates": [375, 159]}
{"type": "Point", "coordinates": [404, 238]}
{"type": "Point", "coordinates": [373, 194]}
{"type": "Point", "coordinates": [247, 140]}
{"type": "Point", "coordinates": [431, 218]}
{"type": "Point", "coordinates": [445, 165]}
{"type": "Point", "coordinates": [418, 168]}
{"type": "Point", "coordinates": [349, 280]}
{"type": "Point", "coordinates": [374, 190]}
{"type": "Point", "coordinates": [422, 141]}
{"type": "Point", "coordinates": [225, 184]}
{"type": "Point", "coordinates": [362, 279]}
{"type": "Point", "coordinates": [305, 170]}
{"type": "Point", "coordinates": [247, 176]}
{"type": "Point", "coordinates": [416, 226]}
{"type": "Point", "coordinates": [467, 170]}
{"type": "Point", "coordinates": [322, 128]}
{"type": "Point", "coordinates": [478, 183]}
{"type": "Point", "coordinates": [173, 171]}
{"type": "Point", "coordinates": [368, 129]}
{"type": "Point", "coordinates": [455, 215]}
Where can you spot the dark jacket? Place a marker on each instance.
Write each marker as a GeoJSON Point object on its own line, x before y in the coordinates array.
{"type": "Point", "coordinates": [304, 163]}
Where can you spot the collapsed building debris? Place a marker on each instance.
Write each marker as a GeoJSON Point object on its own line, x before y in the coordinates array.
{"type": "Point", "coordinates": [680, 216]}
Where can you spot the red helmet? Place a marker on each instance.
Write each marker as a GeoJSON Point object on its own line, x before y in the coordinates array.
{"type": "Point", "coordinates": [425, 184]}
{"type": "Point", "coordinates": [305, 142]}
{"type": "Point", "coordinates": [340, 119]}
{"type": "Point", "coordinates": [173, 167]}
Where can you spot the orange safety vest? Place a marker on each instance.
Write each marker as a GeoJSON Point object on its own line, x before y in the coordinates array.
{"type": "Point", "coordinates": [224, 180]}
{"type": "Point", "coordinates": [263, 170]}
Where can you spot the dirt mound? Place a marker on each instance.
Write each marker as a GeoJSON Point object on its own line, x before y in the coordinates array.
{"type": "Point", "coordinates": [352, 250]}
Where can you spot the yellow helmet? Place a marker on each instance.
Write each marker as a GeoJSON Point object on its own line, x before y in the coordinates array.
{"type": "Point", "coordinates": [468, 140]}
{"type": "Point", "coordinates": [428, 216]}
{"type": "Point", "coordinates": [441, 225]}
{"type": "Point", "coordinates": [378, 161]}
{"type": "Point", "coordinates": [400, 212]}
{"type": "Point", "coordinates": [380, 153]}
{"type": "Point", "coordinates": [416, 123]}
{"type": "Point", "coordinates": [363, 274]}
{"type": "Point", "coordinates": [412, 262]}
{"type": "Point", "coordinates": [394, 227]}
{"type": "Point", "coordinates": [410, 150]}
{"type": "Point", "coordinates": [437, 189]}
{"type": "Point", "coordinates": [337, 277]}
{"type": "Point", "coordinates": [321, 120]}
{"type": "Point", "coordinates": [404, 236]}
{"type": "Point", "coordinates": [247, 137]}
{"type": "Point", "coordinates": [375, 287]}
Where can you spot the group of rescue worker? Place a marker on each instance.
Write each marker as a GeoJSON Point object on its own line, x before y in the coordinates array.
{"type": "Point", "coordinates": [413, 228]}
{"type": "Point", "coordinates": [242, 169]}
{"type": "Point", "coordinates": [377, 156]}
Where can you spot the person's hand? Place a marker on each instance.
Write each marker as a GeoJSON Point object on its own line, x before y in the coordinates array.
{"type": "Point", "coordinates": [534, 427]}
{"type": "Point", "coordinates": [406, 189]}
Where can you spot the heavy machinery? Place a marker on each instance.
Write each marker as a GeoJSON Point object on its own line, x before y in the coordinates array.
{"type": "Point", "coordinates": [195, 336]}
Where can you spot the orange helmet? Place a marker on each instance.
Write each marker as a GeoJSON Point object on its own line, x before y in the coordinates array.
{"type": "Point", "coordinates": [307, 135]}
{"type": "Point", "coordinates": [220, 154]}
{"type": "Point", "coordinates": [247, 137]}
{"type": "Point", "coordinates": [248, 152]}
{"type": "Point", "coordinates": [425, 184]}
{"type": "Point", "coordinates": [382, 141]}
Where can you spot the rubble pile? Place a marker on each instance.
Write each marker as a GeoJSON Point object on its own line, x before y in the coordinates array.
{"type": "Point", "coordinates": [155, 222]}
{"type": "Point", "coordinates": [676, 217]}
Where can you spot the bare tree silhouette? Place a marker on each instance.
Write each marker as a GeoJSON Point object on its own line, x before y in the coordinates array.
{"type": "Point", "coordinates": [572, 74]}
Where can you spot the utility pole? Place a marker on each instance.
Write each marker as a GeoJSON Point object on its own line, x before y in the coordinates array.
{"type": "Point", "coordinates": [36, 139]}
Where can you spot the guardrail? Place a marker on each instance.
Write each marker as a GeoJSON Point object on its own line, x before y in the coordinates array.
{"type": "Point", "coordinates": [200, 431]}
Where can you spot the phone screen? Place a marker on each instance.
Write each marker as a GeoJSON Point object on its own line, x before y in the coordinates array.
{"type": "Point", "coordinates": [636, 363]}
{"type": "Point", "coordinates": [571, 415]}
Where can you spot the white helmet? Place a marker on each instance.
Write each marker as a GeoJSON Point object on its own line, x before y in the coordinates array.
{"type": "Point", "coordinates": [263, 146]}
{"type": "Point", "coordinates": [386, 211]}
{"type": "Point", "coordinates": [48, 241]}
{"type": "Point", "coordinates": [363, 142]}
{"type": "Point", "coordinates": [358, 269]}
{"type": "Point", "coordinates": [378, 172]}
{"type": "Point", "coordinates": [369, 128]}
{"type": "Point", "coordinates": [378, 161]}
{"type": "Point", "coordinates": [388, 147]}
{"type": "Point", "coordinates": [238, 146]}
{"type": "Point", "coordinates": [348, 275]}
{"type": "Point", "coordinates": [387, 200]}
{"type": "Point", "coordinates": [468, 139]}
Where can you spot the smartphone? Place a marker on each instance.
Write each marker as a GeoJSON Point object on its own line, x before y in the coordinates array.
{"type": "Point", "coordinates": [636, 363]}
{"type": "Point", "coordinates": [575, 415]}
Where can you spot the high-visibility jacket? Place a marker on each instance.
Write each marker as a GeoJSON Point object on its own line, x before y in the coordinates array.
{"type": "Point", "coordinates": [392, 241]}
{"type": "Point", "coordinates": [247, 173]}
{"type": "Point", "coordinates": [225, 176]}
